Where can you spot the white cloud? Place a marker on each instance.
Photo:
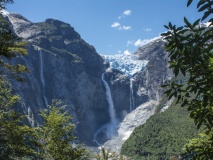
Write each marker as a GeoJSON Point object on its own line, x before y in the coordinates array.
{"type": "Point", "coordinates": [129, 43]}
{"type": "Point", "coordinates": [127, 12]}
{"type": "Point", "coordinates": [119, 51]}
{"type": "Point", "coordinates": [127, 27]}
{"type": "Point", "coordinates": [140, 42]}
{"type": "Point", "coordinates": [127, 52]}
{"type": "Point", "coordinates": [115, 25]}
{"type": "Point", "coordinates": [119, 27]}
{"type": "Point", "coordinates": [148, 29]}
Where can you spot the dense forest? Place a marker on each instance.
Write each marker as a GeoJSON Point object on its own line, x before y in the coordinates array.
{"type": "Point", "coordinates": [163, 136]}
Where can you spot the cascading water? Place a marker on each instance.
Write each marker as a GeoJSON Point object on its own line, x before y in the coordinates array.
{"type": "Point", "coordinates": [110, 101]}
{"type": "Point", "coordinates": [110, 129]}
{"type": "Point", "coordinates": [30, 117]}
{"type": "Point", "coordinates": [42, 77]}
{"type": "Point", "coordinates": [131, 99]}
{"type": "Point", "coordinates": [28, 112]}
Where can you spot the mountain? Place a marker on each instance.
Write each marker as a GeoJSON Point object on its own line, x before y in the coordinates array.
{"type": "Point", "coordinates": [107, 96]}
{"type": "Point", "coordinates": [62, 66]}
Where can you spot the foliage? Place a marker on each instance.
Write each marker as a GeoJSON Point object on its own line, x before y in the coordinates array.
{"type": "Point", "coordinates": [200, 147]}
{"type": "Point", "coordinates": [4, 2]}
{"type": "Point", "coordinates": [191, 52]}
{"type": "Point", "coordinates": [16, 139]}
{"type": "Point", "coordinates": [105, 154]}
{"type": "Point", "coordinates": [55, 135]}
{"type": "Point", "coordinates": [67, 55]}
{"type": "Point", "coordinates": [162, 136]}
{"type": "Point", "coordinates": [10, 46]}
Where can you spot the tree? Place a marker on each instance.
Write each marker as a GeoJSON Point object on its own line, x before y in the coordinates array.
{"type": "Point", "coordinates": [105, 154]}
{"type": "Point", "coordinates": [191, 54]}
{"type": "Point", "coordinates": [16, 139]}
{"type": "Point", "coordinates": [4, 2]}
{"type": "Point", "coordinates": [10, 47]}
{"type": "Point", "coordinates": [55, 136]}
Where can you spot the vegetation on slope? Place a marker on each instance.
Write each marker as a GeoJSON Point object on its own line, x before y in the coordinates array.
{"type": "Point", "coordinates": [162, 136]}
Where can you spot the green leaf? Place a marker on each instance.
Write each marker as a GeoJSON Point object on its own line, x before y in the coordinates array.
{"type": "Point", "coordinates": [164, 86]}
{"type": "Point", "coordinates": [206, 6]}
{"type": "Point", "coordinates": [187, 23]}
{"type": "Point", "coordinates": [200, 3]}
{"type": "Point", "coordinates": [170, 25]}
{"type": "Point", "coordinates": [206, 14]}
{"type": "Point", "coordinates": [189, 2]}
{"type": "Point", "coordinates": [196, 23]}
{"type": "Point", "coordinates": [166, 27]}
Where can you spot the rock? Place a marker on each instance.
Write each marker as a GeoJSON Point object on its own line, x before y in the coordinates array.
{"type": "Point", "coordinates": [62, 66]}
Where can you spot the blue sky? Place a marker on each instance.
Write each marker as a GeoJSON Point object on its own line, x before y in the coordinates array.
{"type": "Point", "coordinates": [111, 26]}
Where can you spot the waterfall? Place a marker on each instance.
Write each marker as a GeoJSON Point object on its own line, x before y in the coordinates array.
{"type": "Point", "coordinates": [131, 99]}
{"type": "Point", "coordinates": [29, 113]}
{"type": "Point", "coordinates": [110, 102]}
{"type": "Point", "coordinates": [42, 77]}
{"type": "Point", "coordinates": [30, 117]}
{"type": "Point", "coordinates": [110, 129]}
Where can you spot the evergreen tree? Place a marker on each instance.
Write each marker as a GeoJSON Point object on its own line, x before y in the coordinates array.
{"type": "Point", "coordinates": [10, 47]}
{"type": "Point", "coordinates": [55, 136]}
{"type": "Point", "coordinates": [16, 139]}
{"type": "Point", "coordinates": [191, 53]}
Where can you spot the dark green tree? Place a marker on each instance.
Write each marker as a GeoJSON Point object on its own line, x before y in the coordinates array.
{"type": "Point", "coordinates": [191, 54]}
{"type": "Point", "coordinates": [10, 47]}
{"type": "Point", "coordinates": [55, 136]}
{"type": "Point", "coordinates": [16, 139]}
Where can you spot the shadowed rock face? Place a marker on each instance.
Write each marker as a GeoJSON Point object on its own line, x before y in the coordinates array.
{"type": "Point", "coordinates": [62, 66]}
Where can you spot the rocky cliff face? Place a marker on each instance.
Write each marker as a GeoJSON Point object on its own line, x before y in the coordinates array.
{"type": "Point", "coordinates": [139, 94]}
{"type": "Point", "coordinates": [62, 66]}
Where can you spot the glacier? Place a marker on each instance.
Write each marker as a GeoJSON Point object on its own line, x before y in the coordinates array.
{"type": "Point", "coordinates": [127, 64]}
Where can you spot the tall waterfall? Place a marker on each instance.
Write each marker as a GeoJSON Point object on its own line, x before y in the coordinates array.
{"type": "Point", "coordinates": [131, 99]}
{"type": "Point", "coordinates": [110, 102]}
{"type": "Point", "coordinates": [110, 129]}
{"type": "Point", "coordinates": [42, 77]}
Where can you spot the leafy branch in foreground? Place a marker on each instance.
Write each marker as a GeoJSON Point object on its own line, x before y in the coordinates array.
{"type": "Point", "coordinates": [191, 53]}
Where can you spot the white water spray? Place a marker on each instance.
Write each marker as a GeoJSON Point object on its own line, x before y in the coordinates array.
{"type": "Point", "coordinates": [110, 102]}
{"type": "Point", "coordinates": [30, 117]}
{"type": "Point", "coordinates": [110, 129]}
{"type": "Point", "coordinates": [131, 99]}
{"type": "Point", "coordinates": [42, 77]}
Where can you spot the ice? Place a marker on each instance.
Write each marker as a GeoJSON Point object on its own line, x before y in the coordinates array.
{"type": "Point", "coordinates": [128, 64]}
